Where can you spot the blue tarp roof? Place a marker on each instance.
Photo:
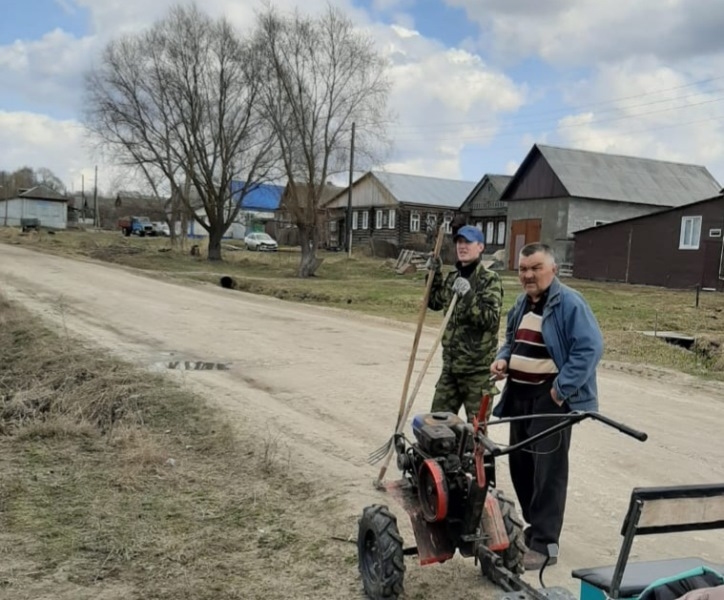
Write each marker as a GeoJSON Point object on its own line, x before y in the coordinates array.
{"type": "Point", "coordinates": [266, 196]}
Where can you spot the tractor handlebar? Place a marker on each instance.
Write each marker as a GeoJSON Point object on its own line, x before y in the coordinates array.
{"type": "Point", "coordinates": [563, 422]}
{"type": "Point", "coordinates": [490, 445]}
{"type": "Point", "coordinates": [641, 436]}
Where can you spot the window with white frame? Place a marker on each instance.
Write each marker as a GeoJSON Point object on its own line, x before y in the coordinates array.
{"type": "Point", "coordinates": [414, 221]}
{"type": "Point", "coordinates": [333, 225]}
{"type": "Point", "coordinates": [690, 233]}
{"type": "Point", "coordinates": [479, 225]}
{"type": "Point", "coordinates": [365, 219]}
{"type": "Point", "coordinates": [431, 222]}
{"type": "Point", "coordinates": [490, 232]}
{"type": "Point", "coordinates": [447, 222]}
{"type": "Point", "coordinates": [501, 233]}
{"type": "Point", "coordinates": [355, 220]}
{"type": "Point", "coordinates": [391, 219]}
{"type": "Point", "coordinates": [379, 219]}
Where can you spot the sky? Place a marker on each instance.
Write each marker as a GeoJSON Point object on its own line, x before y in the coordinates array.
{"type": "Point", "coordinates": [475, 82]}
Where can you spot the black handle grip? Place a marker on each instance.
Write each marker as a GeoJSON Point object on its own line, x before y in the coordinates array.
{"type": "Point", "coordinates": [639, 435]}
{"type": "Point", "coordinates": [489, 444]}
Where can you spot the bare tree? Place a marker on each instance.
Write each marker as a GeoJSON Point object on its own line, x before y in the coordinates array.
{"type": "Point", "coordinates": [181, 100]}
{"type": "Point", "coordinates": [46, 177]}
{"type": "Point", "coordinates": [27, 177]}
{"type": "Point", "coordinates": [321, 77]}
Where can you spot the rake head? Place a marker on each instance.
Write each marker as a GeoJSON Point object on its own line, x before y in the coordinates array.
{"type": "Point", "coordinates": [381, 452]}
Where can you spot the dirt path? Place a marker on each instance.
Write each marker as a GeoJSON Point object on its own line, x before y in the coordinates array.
{"type": "Point", "coordinates": [332, 380]}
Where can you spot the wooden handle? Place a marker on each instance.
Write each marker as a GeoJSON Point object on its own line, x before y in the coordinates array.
{"type": "Point", "coordinates": [418, 384]}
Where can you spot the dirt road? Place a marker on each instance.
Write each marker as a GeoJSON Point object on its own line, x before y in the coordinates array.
{"type": "Point", "coordinates": [333, 380]}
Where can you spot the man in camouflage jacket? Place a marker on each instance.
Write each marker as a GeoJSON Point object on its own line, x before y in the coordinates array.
{"type": "Point", "coordinates": [470, 340]}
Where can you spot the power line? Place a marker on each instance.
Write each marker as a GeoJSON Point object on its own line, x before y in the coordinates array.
{"type": "Point", "coordinates": [534, 117]}
{"type": "Point", "coordinates": [509, 131]}
{"type": "Point", "coordinates": [500, 148]}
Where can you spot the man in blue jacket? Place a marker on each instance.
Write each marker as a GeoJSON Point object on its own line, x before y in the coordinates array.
{"type": "Point", "coordinates": [552, 347]}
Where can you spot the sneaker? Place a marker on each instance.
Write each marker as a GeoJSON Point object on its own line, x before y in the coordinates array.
{"type": "Point", "coordinates": [533, 561]}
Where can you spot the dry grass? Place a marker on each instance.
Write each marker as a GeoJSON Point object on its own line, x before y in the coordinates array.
{"type": "Point", "coordinates": [118, 484]}
{"type": "Point", "coordinates": [370, 286]}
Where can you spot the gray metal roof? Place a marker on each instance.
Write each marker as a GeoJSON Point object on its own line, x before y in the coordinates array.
{"type": "Point", "coordinates": [602, 176]}
{"type": "Point", "coordinates": [499, 182]}
{"type": "Point", "coordinates": [42, 192]}
{"type": "Point", "coordinates": [427, 191]}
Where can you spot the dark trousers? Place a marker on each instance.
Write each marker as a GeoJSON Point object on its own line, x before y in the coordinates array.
{"type": "Point", "coordinates": [539, 472]}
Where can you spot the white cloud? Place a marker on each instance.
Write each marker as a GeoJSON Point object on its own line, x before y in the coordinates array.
{"type": "Point", "coordinates": [432, 84]}
{"type": "Point", "coordinates": [67, 6]}
{"type": "Point", "coordinates": [48, 71]}
{"type": "Point", "coordinates": [439, 95]}
{"type": "Point", "coordinates": [581, 32]}
{"type": "Point", "coordinates": [660, 115]}
{"type": "Point", "coordinates": [511, 167]}
{"type": "Point", "coordinates": [33, 140]}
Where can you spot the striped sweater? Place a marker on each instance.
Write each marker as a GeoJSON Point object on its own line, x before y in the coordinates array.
{"type": "Point", "coordinates": [530, 363]}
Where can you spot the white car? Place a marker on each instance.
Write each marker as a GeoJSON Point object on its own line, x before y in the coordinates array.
{"type": "Point", "coordinates": [161, 228]}
{"type": "Point", "coordinates": [261, 241]}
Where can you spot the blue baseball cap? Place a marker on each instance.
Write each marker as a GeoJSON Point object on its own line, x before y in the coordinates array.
{"type": "Point", "coordinates": [471, 234]}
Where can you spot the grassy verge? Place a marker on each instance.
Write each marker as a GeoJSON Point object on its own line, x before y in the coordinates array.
{"type": "Point", "coordinates": [118, 484]}
{"type": "Point", "coordinates": [371, 286]}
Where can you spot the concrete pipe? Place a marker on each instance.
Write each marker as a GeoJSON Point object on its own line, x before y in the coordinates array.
{"type": "Point", "coordinates": [228, 283]}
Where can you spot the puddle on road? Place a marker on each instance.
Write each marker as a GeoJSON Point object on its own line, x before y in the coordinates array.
{"type": "Point", "coordinates": [192, 365]}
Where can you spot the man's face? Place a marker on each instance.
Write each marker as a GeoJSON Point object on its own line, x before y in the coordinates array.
{"type": "Point", "coordinates": [468, 251]}
{"type": "Point", "coordinates": [536, 273]}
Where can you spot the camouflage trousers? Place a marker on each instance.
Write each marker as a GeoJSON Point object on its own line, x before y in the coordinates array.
{"type": "Point", "coordinates": [455, 390]}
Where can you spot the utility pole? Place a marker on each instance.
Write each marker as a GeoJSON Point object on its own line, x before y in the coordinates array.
{"type": "Point", "coordinates": [82, 195]}
{"type": "Point", "coordinates": [95, 201]}
{"type": "Point", "coordinates": [349, 196]}
{"type": "Point", "coordinates": [4, 186]}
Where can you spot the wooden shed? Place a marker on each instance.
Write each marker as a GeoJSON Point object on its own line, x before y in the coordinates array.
{"type": "Point", "coordinates": [677, 248]}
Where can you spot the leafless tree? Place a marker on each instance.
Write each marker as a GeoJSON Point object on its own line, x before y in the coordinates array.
{"type": "Point", "coordinates": [46, 177]}
{"type": "Point", "coordinates": [321, 76]}
{"type": "Point", "coordinates": [27, 177]}
{"type": "Point", "coordinates": [181, 99]}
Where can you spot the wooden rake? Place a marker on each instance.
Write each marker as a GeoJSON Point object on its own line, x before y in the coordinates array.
{"type": "Point", "coordinates": [385, 451]}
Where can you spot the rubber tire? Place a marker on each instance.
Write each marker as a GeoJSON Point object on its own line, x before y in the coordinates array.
{"type": "Point", "coordinates": [514, 527]}
{"type": "Point", "coordinates": [385, 576]}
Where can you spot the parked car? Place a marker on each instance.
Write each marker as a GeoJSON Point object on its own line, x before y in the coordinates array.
{"type": "Point", "coordinates": [161, 228]}
{"type": "Point", "coordinates": [261, 241]}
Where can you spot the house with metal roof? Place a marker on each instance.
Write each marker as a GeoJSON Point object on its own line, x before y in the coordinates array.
{"type": "Point", "coordinates": [257, 208]}
{"type": "Point", "coordinates": [558, 191]}
{"type": "Point", "coordinates": [680, 247]}
{"type": "Point", "coordinates": [265, 197]}
{"type": "Point", "coordinates": [40, 202]}
{"type": "Point", "coordinates": [484, 209]}
{"type": "Point", "coordinates": [399, 209]}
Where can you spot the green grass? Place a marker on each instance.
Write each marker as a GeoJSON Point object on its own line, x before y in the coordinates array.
{"type": "Point", "coordinates": [372, 287]}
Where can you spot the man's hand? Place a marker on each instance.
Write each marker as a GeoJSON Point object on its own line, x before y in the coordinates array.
{"type": "Point", "coordinates": [461, 286]}
{"type": "Point", "coordinates": [499, 369]}
{"type": "Point", "coordinates": [434, 263]}
{"type": "Point", "coordinates": [555, 397]}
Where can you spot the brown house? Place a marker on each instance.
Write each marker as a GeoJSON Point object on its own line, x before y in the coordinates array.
{"type": "Point", "coordinates": [558, 191]}
{"type": "Point", "coordinates": [284, 228]}
{"type": "Point", "coordinates": [399, 210]}
{"type": "Point", "coordinates": [676, 248]}
{"type": "Point", "coordinates": [484, 209]}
